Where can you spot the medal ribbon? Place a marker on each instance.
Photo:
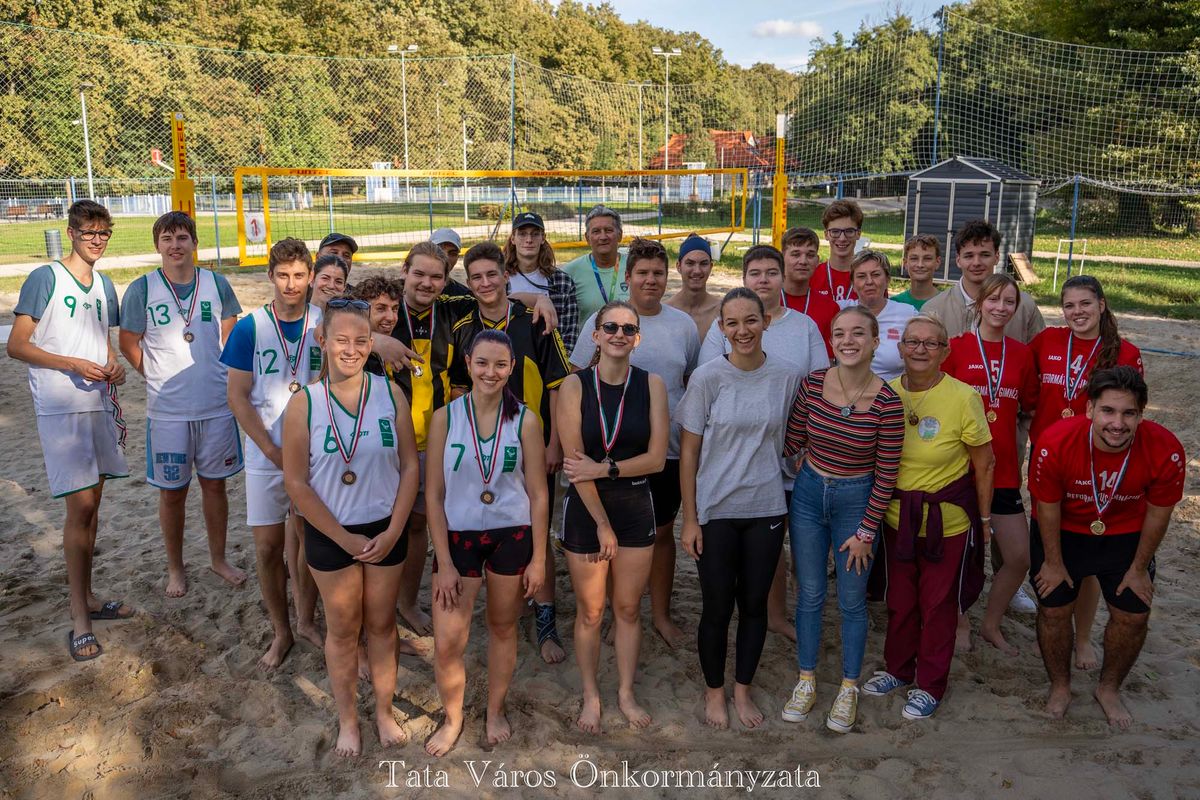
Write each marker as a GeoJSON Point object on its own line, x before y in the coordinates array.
{"type": "Point", "coordinates": [1102, 507]}
{"type": "Point", "coordinates": [807, 299]}
{"type": "Point", "coordinates": [610, 439]}
{"type": "Point", "coordinates": [363, 393]}
{"type": "Point", "coordinates": [293, 363]}
{"type": "Point", "coordinates": [612, 284]}
{"type": "Point", "coordinates": [993, 386]}
{"type": "Point", "coordinates": [490, 469]}
{"type": "Point", "coordinates": [507, 319]}
{"type": "Point", "coordinates": [1069, 389]}
{"type": "Point", "coordinates": [412, 339]}
{"type": "Point", "coordinates": [187, 315]}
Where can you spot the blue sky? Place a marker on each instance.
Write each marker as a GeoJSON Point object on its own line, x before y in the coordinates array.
{"type": "Point", "coordinates": [779, 33]}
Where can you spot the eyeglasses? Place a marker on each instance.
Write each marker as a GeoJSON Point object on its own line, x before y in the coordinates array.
{"type": "Point", "coordinates": [840, 233]}
{"type": "Point", "coordinates": [89, 235]}
{"type": "Point", "coordinates": [932, 345]}
{"type": "Point", "coordinates": [352, 302]}
{"type": "Point", "coordinates": [611, 328]}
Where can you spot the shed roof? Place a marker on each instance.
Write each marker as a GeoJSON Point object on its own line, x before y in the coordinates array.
{"type": "Point", "coordinates": [976, 168]}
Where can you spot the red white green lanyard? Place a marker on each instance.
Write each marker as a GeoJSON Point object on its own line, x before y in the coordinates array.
{"type": "Point", "coordinates": [993, 385]}
{"type": "Point", "coordinates": [1070, 389]}
{"type": "Point", "coordinates": [292, 361]}
{"type": "Point", "coordinates": [610, 436]}
{"type": "Point", "coordinates": [347, 453]}
{"type": "Point", "coordinates": [487, 465]}
{"type": "Point", "coordinates": [186, 315]}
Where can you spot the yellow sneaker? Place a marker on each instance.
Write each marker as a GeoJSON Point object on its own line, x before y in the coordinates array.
{"type": "Point", "coordinates": [845, 710]}
{"type": "Point", "coordinates": [803, 697]}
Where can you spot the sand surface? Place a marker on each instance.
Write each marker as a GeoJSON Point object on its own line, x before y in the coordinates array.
{"type": "Point", "coordinates": [175, 707]}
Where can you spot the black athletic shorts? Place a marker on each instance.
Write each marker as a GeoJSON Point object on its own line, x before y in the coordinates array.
{"type": "Point", "coordinates": [664, 488]}
{"type": "Point", "coordinates": [504, 551]}
{"type": "Point", "coordinates": [1007, 501]}
{"type": "Point", "coordinates": [325, 555]}
{"type": "Point", "coordinates": [630, 509]}
{"type": "Point", "coordinates": [1106, 557]}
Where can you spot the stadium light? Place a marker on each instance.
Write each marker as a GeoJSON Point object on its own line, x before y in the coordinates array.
{"type": "Point", "coordinates": [87, 147]}
{"type": "Point", "coordinates": [666, 54]}
{"type": "Point", "coordinates": [412, 48]}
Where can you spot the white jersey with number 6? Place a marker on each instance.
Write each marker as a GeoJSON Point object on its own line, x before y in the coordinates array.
{"type": "Point", "coordinates": [273, 376]}
{"type": "Point", "coordinates": [376, 461]}
{"type": "Point", "coordinates": [75, 323]}
{"type": "Point", "coordinates": [185, 380]}
{"type": "Point", "coordinates": [465, 510]}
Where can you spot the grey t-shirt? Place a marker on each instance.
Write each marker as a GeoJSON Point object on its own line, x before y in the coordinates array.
{"type": "Point", "coordinates": [39, 286]}
{"type": "Point", "coordinates": [669, 348]}
{"type": "Point", "coordinates": [133, 304]}
{"type": "Point", "coordinates": [794, 336]}
{"type": "Point", "coordinates": [742, 417]}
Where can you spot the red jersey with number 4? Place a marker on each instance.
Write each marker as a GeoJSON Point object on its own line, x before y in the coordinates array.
{"type": "Point", "coordinates": [831, 283]}
{"type": "Point", "coordinates": [1060, 471]}
{"type": "Point", "coordinates": [1050, 354]}
{"type": "Point", "coordinates": [817, 307]}
{"type": "Point", "coordinates": [1018, 391]}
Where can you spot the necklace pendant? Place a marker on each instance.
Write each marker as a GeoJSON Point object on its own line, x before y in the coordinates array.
{"type": "Point", "coordinates": [846, 411]}
{"type": "Point", "coordinates": [913, 419]}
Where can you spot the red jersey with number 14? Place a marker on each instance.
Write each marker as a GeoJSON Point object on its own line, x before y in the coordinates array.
{"type": "Point", "coordinates": [1050, 354]}
{"type": "Point", "coordinates": [817, 307]}
{"type": "Point", "coordinates": [1060, 471]}
{"type": "Point", "coordinates": [831, 283]}
{"type": "Point", "coordinates": [1018, 392]}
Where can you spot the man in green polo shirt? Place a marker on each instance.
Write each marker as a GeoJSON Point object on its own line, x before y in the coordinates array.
{"type": "Point", "coordinates": [599, 275]}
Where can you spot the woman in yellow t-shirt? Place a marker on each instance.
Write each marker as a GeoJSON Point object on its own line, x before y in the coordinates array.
{"type": "Point", "coordinates": [937, 522]}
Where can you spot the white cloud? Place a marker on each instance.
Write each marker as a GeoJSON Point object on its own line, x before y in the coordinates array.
{"type": "Point", "coordinates": [786, 28]}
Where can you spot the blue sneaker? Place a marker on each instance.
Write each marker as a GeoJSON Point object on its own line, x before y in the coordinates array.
{"type": "Point", "coordinates": [881, 684]}
{"type": "Point", "coordinates": [920, 705]}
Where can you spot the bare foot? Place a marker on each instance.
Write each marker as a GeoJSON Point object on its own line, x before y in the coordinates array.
{"type": "Point", "coordinates": [417, 620]}
{"type": "Point", "coordinates": [390, 732]}
{"type": "Point", "coordinates": [1058, 700]}
{"type": "Point", "coordinates": [232, 575]}
{"type": "Point", "coordinates": [176, 583]}
{"type": "Point", "coordinates": [1110, 700]}
{"type": "Point", "coordinates": [745, 707]}
{"type": "Point", "coordinates": [996, 639]}
{"type": "Point", "coordinates": [716, 714]}
{"type": "Point", "coordinates": [963, 642]}
{"type": "Point", "coordinates": [275, 655]}
{"type": "Point", "coordinates": [671, 633]}
{"type": "Point", "coordinates": [364, 666]}
{"type": "Point", "coordinates": [310, 633]}
{"type": "Point", "coordinates": [1085, 655]}
{"type": "Point", "coordinates": [637, 716]}
{"type": "Point", "coordinates": [552, 652]}
{"type": "Point", "coordinates": [589, 715]}
{"type": "Point", "coordinates": [782, 627]}
{"type": "Point", "coordinates": [349, 741]}
{"type": "Point", "coordinates": [498, 729]}
{"type": "Point", "coordinates": [444, 738]}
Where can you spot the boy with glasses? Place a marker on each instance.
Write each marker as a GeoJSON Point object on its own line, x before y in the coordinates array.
{"type": "Point", "coordinates": [842, 221]}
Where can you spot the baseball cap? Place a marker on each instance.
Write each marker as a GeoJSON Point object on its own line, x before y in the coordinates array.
{"type": "Point", "coordinates": [334, 238]}
{"type": "Point", "coordinates": [446, 236]}
{"type": "Point", "coordinates": [695, 242]}
{"type": "Point", "coordinates": [528, 218]}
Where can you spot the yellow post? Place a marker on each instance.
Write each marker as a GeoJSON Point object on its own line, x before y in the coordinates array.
{"type": "Point", "coordinates": [779, 198]}
{"type": "Point", "coordinates": [183, 188]}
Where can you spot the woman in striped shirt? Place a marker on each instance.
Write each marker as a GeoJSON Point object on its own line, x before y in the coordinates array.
{"type": "Point", "coordinates": [847, 425]}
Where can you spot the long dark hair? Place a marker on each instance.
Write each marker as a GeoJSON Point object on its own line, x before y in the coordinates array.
{"type": "Point", "coordinates": [1110, 338]}
{"type": "Point", "coordinates": [509, 404]}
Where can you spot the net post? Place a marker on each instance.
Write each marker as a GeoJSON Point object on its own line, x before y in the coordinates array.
{"type": "Point", "coordinates": [779, 194]}
{"type": "Point", "coordinates": [512, 124]}
{"type": "Point", "coordinates": [329, 199]}
{"type": "Point", "coordinates": [1074, 219]}
{"type": "Point", "coordinates": [266, 204]}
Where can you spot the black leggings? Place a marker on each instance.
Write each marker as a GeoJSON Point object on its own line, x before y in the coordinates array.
{"type": "Point", "coordinates": [736, 566]}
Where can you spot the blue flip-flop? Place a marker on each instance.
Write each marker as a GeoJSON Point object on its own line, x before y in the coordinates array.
{"type": "Point", "coordinates": [77, 643]}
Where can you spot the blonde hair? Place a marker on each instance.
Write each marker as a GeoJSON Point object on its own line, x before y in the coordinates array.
{"type": "Point", "coordinates": [943, 334]}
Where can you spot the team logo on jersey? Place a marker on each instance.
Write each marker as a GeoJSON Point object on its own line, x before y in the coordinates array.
{"type": "Point", "coordinates": [314, 358]}
{"type": "Point", "coordinates": [928, 428]}
{"type": "Point", "coordinates": [386, 438]}
{"type": "Point", "coordinates": [510, 458]}
{"type": "Point", "coordinates": [206, 311]}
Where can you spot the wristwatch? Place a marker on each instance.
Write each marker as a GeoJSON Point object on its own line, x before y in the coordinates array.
{"type": "Point", "coordinates": [614, 471]}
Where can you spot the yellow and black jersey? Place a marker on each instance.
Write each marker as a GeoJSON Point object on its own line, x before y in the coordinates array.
{"type": "Point", "coordinates": [541, 357]}
{"type": "Point", "coordinates": [427, 385]}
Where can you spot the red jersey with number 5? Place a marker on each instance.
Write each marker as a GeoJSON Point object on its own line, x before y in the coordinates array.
{"type": "Point", "coordinates": [831, 283]}
{"type": "Point", "coordinates": [1018, 391]}
{"type": "Point", "coordinates": [1060, 471]}
{"type": "Point", "coordinates": [1050, 354]}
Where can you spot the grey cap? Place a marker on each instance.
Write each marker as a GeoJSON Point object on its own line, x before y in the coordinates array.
{"type": "Point", "coordinates": [446, 236]}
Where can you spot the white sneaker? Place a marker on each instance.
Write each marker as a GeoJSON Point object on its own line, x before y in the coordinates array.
{"type": "Point", "coordinates": [1022, 602]}
{"type": "Point", "coordinates": [804, 696]}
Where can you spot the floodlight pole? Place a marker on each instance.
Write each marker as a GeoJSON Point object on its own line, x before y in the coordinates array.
{"type": "Point", "coordinates": [667, 55]}
{"type": "Point", "coordinates": [412, 48]}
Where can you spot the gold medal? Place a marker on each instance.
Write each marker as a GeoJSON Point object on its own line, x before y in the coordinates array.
{"type": "Point", "coordinates": [486, 497]}
{"type": "Point", "coordinates": [991, 415]}
{"type": "Point", "coordinates": [1067, 413]}
{"type": "Point", "coordinates": [293, 360]}
{"type": "Point", "coordinates": [189, 337]}
{"type": "Point", "coordinates": [294, 387]}
{"type": "Point", "coordinates": [348, 477]}
{"type": "Point", "coordinates": [347, 453]}
{"type": "Point", "coordinates": [1098, 527]}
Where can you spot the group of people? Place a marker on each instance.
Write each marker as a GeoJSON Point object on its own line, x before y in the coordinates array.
{"type": "Point", "coordinates": [883, 434]}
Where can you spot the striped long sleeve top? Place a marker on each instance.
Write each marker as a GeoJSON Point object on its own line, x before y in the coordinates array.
{"type": "Point", "coordinates": [866, 441]}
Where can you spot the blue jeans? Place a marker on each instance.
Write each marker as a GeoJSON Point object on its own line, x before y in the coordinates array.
{"type": "Point", "coordinates": [825, 512]}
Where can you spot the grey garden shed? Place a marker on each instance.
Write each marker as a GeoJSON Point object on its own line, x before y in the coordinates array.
{"type": "Point", "coordinates": [944, 196]}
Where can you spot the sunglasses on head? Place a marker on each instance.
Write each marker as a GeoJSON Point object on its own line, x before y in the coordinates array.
{"type": "Point", "coordinates": [343, 302]}
{"type": "Point", "coordinates": [611, 328]}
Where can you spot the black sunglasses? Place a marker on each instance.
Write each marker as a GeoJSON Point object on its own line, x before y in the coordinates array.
{"type": "Point", "coordinates": [343, 302]}
{"type": "Point", "coordinates": [611, 328]}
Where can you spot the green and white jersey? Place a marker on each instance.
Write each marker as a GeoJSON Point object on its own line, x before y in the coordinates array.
{"type": "Point", "coordinates": [276, 370]}
{"type": "Point", "coordinates": [370, 493]}
{"type": "Point", "coordinates": [468, 458]}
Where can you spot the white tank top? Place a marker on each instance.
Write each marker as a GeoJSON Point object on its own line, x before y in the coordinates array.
{"type": "Point", "coordinates": [185, 380]}
{"type": "Point", "coordinates": [375, 463]}
{"type": "Point", "coordinates": [274, 376]}
{"type": "Point", "coordinates": [465, 510]}
{"type": "Point", "coordinates": [75, 323]}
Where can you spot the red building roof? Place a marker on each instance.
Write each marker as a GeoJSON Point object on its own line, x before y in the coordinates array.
{"type": "Point", "coordinates": [730, 149]}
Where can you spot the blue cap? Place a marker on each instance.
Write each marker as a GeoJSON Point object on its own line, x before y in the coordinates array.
{"type": "Point", "coordinates": [694, 242]}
